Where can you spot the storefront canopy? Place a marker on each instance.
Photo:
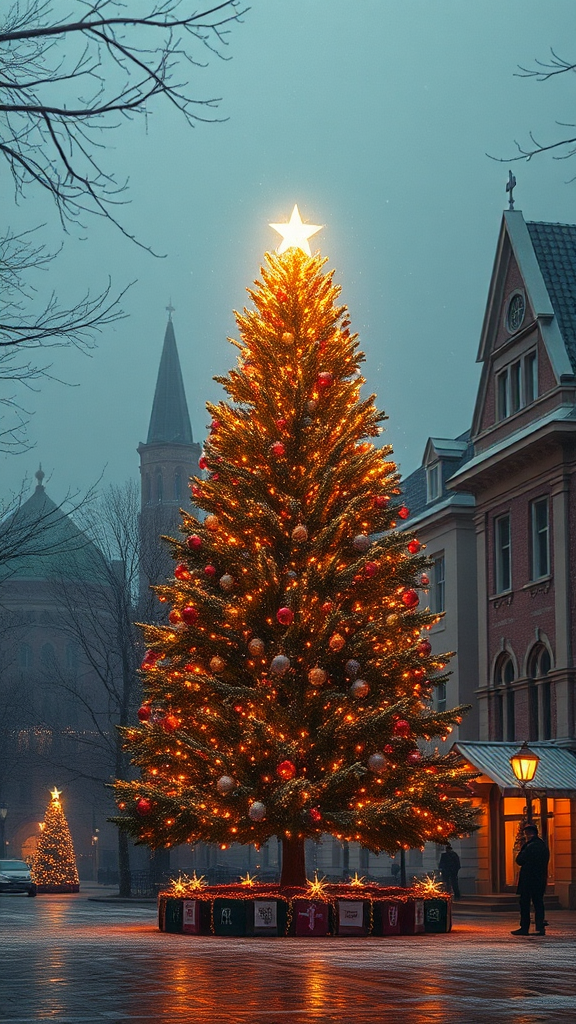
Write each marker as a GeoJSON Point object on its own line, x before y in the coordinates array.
{"type": "Point", "coordinates": [556, 772]}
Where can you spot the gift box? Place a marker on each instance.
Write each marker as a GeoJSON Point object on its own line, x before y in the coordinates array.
{"type": "Point", "coordinates": [352, 917]}
{"type": "Point", "coordinates": [195, 917]}
{"type": "Point", "coordinates": [386, 917]}
{"type": "Point", "coordinates": [231, 916]}
{"type": "Point", "coordinates": [173, 915]}
{"type": "Point", "coordinates": [269, 917]}
{"type": "Point", "coordinates": [437, 915]}
{"type": "Point", "coordinates": [411, 917]}
{"type": "Point", "coordinates": [311, 918]}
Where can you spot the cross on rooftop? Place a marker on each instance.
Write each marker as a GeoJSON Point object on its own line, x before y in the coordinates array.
{"type": "Point", "coordinates": [510, 186]}
{"type": "Point", "coordinates": [170, 309]}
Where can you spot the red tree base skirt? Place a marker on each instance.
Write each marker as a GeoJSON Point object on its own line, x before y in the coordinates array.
{"type": "Point", "coordinates": [268, 910]}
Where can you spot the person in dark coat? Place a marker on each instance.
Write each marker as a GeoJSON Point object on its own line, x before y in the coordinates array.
{"type": "Point", "coordinates": [533, 860]}
{"type": "Point", "coordinates": [449, 867]}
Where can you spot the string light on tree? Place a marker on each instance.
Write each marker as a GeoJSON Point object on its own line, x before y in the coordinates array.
{"type": "Point", "coordinates": [294, 664]}
{"type": "Point", "coordinates": [54, 868]}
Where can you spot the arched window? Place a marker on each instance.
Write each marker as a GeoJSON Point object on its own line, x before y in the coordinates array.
{"type": "Point", "coordinates": [505, 699]}
{"type": "Point", "coordinates": [147, 489]}
{"type": "Point", "coordinates": [178, 485]}
{"type": "Point", "coordinates": [159, 488]}
{"type": "Point", "coordinates": [539, 695]}
{"type": "Point", "coordinates": [47, 656]}
{"type": "Point", "coordinates": [25, 656]}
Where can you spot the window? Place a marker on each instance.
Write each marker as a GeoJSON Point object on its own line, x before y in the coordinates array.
{"type": "Point", "coordinates": [540, 528]}
{"type": "Point", "coordinates": [498, 716]}
{"type": "Point", "coordinates": [159, 488]}
{"type": "Point", "coordinates": [502, 547]}
{"type": "Point", "coordinates": [178, 485]}
{"type": "Point", "coordinates": [515, 313]}
{"type": "Point", "coordinates": [504, 674]}
{"type": "Point", "coordinates": [441, 697]}
{"type": "Point", "coordinates": [438, 592]}
{"type": "Point", "coordinates": [71, 657]}
{"type": "Point", "coordinates": [510, 716]}
{"type": "Point", "coordinates": [502, 395]}
{"type": "Point", "coordinates": [47, 656]}
{"type": "Point", "coordinates": [515, 387]}
{"type": "Point", "coordinates": [147, 490]}
{"type": "Point", "coordinates": [433, 480]}
{"type": "Point", "coordinates": [25, 656]}
{"type": "Point", "coordinates": [530, 377]}
{"type": "Point", "coordinates": [539, 711]}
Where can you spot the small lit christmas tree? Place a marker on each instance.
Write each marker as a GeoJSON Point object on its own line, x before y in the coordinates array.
{"type": "Point", "coordinates": [54, 868]}
{"type": "Point", "coordinates": [288, 692]}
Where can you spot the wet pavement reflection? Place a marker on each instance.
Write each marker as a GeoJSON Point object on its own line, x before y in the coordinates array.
{"type": "Point", "coordinates": [66, 959]}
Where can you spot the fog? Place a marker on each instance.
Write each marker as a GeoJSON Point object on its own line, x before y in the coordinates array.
{"type": "Point", "coordinates": [376, 118]}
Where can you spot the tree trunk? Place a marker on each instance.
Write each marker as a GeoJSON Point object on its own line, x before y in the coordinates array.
{"type": "Point", "coordinates": [124, 877]}
{"type": "Point", "coordinates": [293, 863]}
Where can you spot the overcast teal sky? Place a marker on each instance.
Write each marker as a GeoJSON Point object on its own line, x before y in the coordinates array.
{"type": "Point", "coordinates": [375, 116]}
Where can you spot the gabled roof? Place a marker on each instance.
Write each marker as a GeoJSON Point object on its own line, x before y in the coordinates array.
{"type": "Point", "coordinates": [170, 421]}
{"type": "Point", "coordinates": [546, 258]}
{"type": "Point", "coordinates": [457, 452]}
{"type": "Point", "coordinates": [555, 248]}
{"type": "Point", "coordinates": [40, 542]}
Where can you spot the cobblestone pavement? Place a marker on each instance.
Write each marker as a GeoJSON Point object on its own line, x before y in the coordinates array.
{"type": "Point", "coordinates": [65, 959]}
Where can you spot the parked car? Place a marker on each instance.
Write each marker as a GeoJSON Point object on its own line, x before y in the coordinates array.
{"type": "Point", "coordinates": [15, 877]}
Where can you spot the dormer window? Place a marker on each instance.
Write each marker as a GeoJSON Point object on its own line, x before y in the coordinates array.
{"type": "Point", "coordinates": [434, 482]}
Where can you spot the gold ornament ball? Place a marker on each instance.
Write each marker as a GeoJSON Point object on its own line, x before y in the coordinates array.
{"type": "Point", "coordinates": [359, 688]}
{"type": "Point", "coordinates": [211, 522]}
{"type": "Point", "coordinates": [256, 647]}
{"type": "Point", "coordinates": [217, 664]}
{"type": "Point", "coordinates": [311, 405]}
{"type": "Point", "coordinates": [300, 534]}
{"type": "Point", "coordinates": [391, 620]}
{"type": "Point", "coordinates": [287, 337]}
{"type": "Point", "coordinates": [226, 582]}
{"type": "Point", "coordinates": [317, 676]}
{"type": "Point", "coordinates": [336, 642]}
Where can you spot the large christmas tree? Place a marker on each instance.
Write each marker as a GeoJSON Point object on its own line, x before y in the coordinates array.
{"type": "Point", "coordinates": [54, 868]}
{"type": "Point", "coordinates": [288, 694]}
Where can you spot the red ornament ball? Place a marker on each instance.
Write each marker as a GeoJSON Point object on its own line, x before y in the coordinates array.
{"type": "Point", "coordinates": [410, 599]}
{"type": "Point", "coordinates": [278, 449]}
{"type": "Point", "coordinates": [281, 423]}
{"type": "Point", "coordinates": [214, 425]}
{"type": "Point", "coordinates": [401, 728]}
{"type": "Point", "coordinates": [403, 512]}
{"type": "Point", "coordinates": [414, 757]}
{"type": "Point", "coordinates": [315, 815]}
{"type": "Point", "coordinates": [325, 379]}
{"type": "Point", "coordinates": [286, 770]}
{"type": "Point", "coordinates": [370, 569]}
{"type": "Point", "coordinates": [182, 572]}
{"type": "Point", "coordinates": [327, 607]}
{"type": "Point", "coordinates": [144, 713]}
{"type": "Point", "coordinates": [388, 749]}
{"type": "Point", "coordinates": [170, 723]}
{"type": "Point", "coordinates": [424, 581]}
{"type": "Point", "coordinates": [190, 614]}
{"type": "Point", "coordinates": [210, 571]}
{"type": "Point", "coordinates": [175, 617]}
{"type": "Point", "coordinates": [414, 546]}
{"type": "Point", "coordinates": [194, 542]}
{"type": "Point", "coordinates": [196, 491]}
{"type": "Point", "coordinates": [424, 648]}
{"type": "Point", "coordinates": [285, 616]}
{"type": "Point", "coordinates": [143, 806]}
{"type": "Point", "coordinates": [381, 500]}
{"type": "Point", "coordinates": [203, 462]}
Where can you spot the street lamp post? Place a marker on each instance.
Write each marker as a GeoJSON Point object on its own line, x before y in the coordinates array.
{"type": "Point", "coordinates": [524, 764]}
{"type": "Point", "coordinates": [3, 813]}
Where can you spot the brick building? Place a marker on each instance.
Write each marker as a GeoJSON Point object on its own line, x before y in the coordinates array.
{"type": "Point", "coordinates": [517, 482]}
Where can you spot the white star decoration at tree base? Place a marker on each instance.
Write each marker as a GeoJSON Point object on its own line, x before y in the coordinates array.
{"type": "Point", "coordinates": [295, 234]}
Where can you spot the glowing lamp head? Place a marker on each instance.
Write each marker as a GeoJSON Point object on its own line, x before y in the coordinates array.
{"type": "Point", "coordinates": [524, 763]}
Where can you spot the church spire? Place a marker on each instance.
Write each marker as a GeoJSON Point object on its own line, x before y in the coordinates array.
{"type": "Point", "coordinates": [170, 421]}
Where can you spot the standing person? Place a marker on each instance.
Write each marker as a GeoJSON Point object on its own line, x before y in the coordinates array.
{"type": "Point", "coordinates": [533, 860]}
{"type": "Point", "coordinates": [449, 867]}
